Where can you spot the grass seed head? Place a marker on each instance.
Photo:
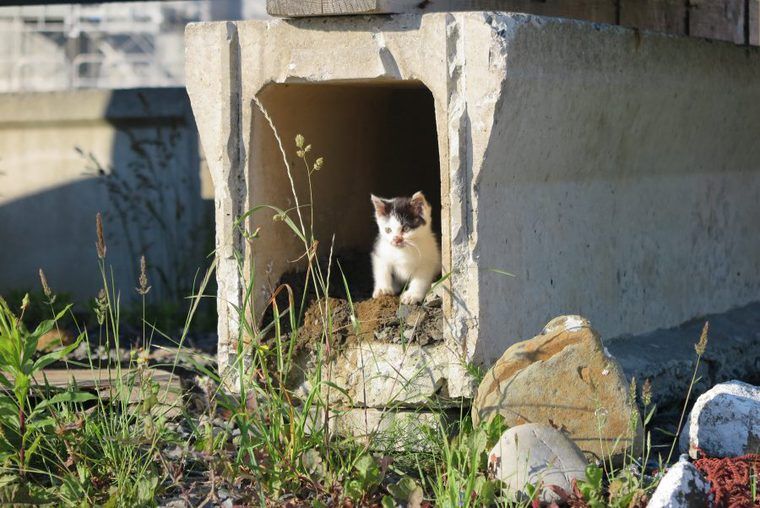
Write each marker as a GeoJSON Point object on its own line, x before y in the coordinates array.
{"type": "Point", "coordinates": [142, 280]}
{"type": "Point", "coordinates": [46, 287]}
{"type": "Point", "coordinates": [701, 346]}
{"type": "Point", "coordinates": [101, 243]}
{"type": "Point", "coordinates": [646, 392]}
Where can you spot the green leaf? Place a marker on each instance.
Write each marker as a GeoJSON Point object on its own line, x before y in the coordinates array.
{"type": "Point", "coordinates": [40, 423]}
{"type": "Point", "coordinates": [67, 397]}
{"type": "Point", "coordinates": [594, 476]}
{"type": "Point", "coordinates": [388, 502]}
{"type": "Point", "coordinates": [56, 355]}
{"type": "Point", "coordinates": [368, 469]}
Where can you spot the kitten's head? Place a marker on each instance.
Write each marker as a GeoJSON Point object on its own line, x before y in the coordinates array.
{"type": "Point", "coordinates": [401, 220]}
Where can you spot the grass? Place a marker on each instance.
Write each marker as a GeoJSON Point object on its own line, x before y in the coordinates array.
{"type": "Point", "coordinates": [259, 444]}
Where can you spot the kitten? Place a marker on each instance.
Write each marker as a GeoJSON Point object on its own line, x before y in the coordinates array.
{"type": "Point", "coordinates": [406, 251]}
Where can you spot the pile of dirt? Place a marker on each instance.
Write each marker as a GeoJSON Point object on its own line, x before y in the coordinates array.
{"type": "Point", "coordinates": [377, 319]}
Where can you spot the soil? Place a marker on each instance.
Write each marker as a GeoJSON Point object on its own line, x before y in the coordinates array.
{"type": "Point", "coordinates": [377, 319]}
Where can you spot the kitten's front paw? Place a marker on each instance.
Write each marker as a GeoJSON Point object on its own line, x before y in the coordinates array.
{"type": "Point", "coordinates": [378, 292]}
{"type": "Point", "coordinates": [409, 298]}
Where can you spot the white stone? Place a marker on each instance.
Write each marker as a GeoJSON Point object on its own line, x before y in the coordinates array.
{"type": "Point", "coordinates": [682, 487]}
{"type": "Point", "coordinates": [533, 453]}
{"type": "Point", "coordinates": [724, 422]}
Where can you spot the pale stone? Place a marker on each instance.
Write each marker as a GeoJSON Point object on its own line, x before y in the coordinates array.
{"type": "Point", "coordinates": [536, 454]}
{"type": "Point", "coordinates": [682, 487]}
{"type": "Point", "coordinates": [724, 422]}
{"type": "Point", "coordinates": [377, 374]}
{"type": "Point", "coordinates": [563, 377]}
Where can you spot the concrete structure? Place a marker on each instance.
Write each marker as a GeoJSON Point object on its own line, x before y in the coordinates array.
{"type": "Point", "coordinates": [614, 172]}
{"type": "Point", "coordinates": [132, 155]}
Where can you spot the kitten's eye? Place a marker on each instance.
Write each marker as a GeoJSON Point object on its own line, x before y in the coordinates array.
{"type": "Point", "coordinates": [387, 230]}
{"type": "Point", "coordinates": [405, 229]}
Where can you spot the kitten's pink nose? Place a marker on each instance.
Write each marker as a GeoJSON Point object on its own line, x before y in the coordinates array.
{"type": "Point", "coordinates": [398, 240]}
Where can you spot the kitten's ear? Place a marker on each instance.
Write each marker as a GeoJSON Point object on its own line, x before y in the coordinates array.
{"type": "Point", "coordinates": [418, 199]}
{"type": "Point", "coordinates": [382, 207]}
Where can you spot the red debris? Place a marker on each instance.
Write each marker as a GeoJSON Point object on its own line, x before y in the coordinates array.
{"type": "Point", "coordinates": [731, 480]}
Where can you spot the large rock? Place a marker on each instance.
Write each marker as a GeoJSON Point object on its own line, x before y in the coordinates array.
{"type": "Point", "coordinates": [563, 377]}
{"type": "Point", "coordinates": [682, 487]}
{"type": "Point", "coordinates": [724, 422]}
{"type": "Point", "coordinates": [534, 454]}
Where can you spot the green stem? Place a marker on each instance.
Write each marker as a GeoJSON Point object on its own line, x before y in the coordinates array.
{"type": "Point", "coordinates": [683, 410]}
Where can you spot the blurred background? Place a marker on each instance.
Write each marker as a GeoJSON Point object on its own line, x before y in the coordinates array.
{"type": "Point", "coordinates": [111, 45]}
{"type": "Point", "coordinates": [94, 118]}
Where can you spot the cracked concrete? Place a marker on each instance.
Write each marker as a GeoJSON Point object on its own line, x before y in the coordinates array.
{"type": "Point", "coordinates": [606, 168]}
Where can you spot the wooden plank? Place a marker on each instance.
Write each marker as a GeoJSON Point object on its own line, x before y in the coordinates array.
{"type": "Point", "coordinates": [6, 3]}
{"type": "Point", "coordinates": [717, 19]}
{"type": "Point", "coordinates": [667, 16]}
{"type": "Point", "coordinates": [302, 8]}
{"type": "Point", "coordinates": [603, 11]}
{"type": "Point", "coordinates": [754, 22]}
{"type": "Point", "coordinates": [102, 382]}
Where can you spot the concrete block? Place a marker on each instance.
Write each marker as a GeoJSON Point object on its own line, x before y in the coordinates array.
{"type": "Point", "coordinates": [608, 169]}
{"type": "Point", "coordinates": [132, 155]}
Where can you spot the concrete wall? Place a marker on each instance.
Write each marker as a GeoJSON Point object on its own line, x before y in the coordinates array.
{"type": "Point", "coordinates": [612, 171]}
{"type": "Point", "coordinates": [628, 188]}
{"type": "Point", "coordinates": [131, 154]}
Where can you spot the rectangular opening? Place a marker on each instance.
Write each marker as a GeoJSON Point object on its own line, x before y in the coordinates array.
{"type": "Point", "coordinates": [375, 137]}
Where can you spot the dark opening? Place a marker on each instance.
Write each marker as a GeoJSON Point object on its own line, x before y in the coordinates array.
{"type": "Point", "coordinates": [376, 138]}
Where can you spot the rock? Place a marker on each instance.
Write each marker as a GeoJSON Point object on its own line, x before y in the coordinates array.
{"type": "Point", "coordinates": [563, 377]}
{"type": "Point", "coordinates": [724, 422]}
{"type": "Point", "coordinates": [378, 375]}
{"type": "Point", "coordinates": [534, 453]}
{"type": "Point", "coordinates": [682, 487]}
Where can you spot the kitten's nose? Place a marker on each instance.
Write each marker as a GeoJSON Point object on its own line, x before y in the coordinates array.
{"type": "Point", "coordinates": [398, 240]}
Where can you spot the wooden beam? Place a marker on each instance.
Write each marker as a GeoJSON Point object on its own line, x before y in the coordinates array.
{"type": "Point", "coordinates": [593, 10]}
{"type": "Point", "coordinates": [104, 384]}
{"type": "Point", "coordinates": [753, 22]}
{"type": "Point", "coordinates": [712, 19]}
{"type": "Point", "coordinates": [667, 16]}
{"type": "Point", "coordinates": [7, 3]}
{"type": "Point", "coordinates": [717, 19]}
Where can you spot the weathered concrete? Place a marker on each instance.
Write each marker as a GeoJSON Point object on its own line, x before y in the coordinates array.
{"type": "Point", "coordinates": [131, 154]}
{"type": "Point", "coordinates": [376, 375]}
{"type": "Point", "coordinates": [666, 357]}
{"type": "Point", "coordinates": [607, 168]}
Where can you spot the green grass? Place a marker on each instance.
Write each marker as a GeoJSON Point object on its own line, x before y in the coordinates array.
{"type": "Point", "coordinates": [260, 442]}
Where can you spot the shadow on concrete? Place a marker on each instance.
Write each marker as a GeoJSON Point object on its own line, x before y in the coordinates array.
{"type": "Point", "coordinates": [132, 155]}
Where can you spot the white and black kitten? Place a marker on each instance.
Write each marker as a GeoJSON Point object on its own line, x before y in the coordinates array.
{"type": "Point", "coordinates": [406, 251]}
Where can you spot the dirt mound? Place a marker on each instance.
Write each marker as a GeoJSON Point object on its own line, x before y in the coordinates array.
{"type": "Point", "coordinates": [381, 319]}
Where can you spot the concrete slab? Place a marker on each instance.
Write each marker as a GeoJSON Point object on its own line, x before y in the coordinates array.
{"type": "Point", "coordinates": [608, 169]}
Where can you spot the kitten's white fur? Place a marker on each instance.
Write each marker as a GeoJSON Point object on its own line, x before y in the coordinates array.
{"type": "Point", "coordinates": [415, 264]}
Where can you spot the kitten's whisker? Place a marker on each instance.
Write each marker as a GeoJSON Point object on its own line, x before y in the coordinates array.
{"type": "Point", "coordinates": [415, 247]}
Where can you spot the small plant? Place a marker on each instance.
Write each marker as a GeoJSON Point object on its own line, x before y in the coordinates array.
{"type": "Point", "coordinates": [465, 474]}
{"type": "Point", "coordinates": [23, 418]}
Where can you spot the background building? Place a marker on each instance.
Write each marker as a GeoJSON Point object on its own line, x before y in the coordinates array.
{"type": "Point", "coordinates": [113, 45]}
